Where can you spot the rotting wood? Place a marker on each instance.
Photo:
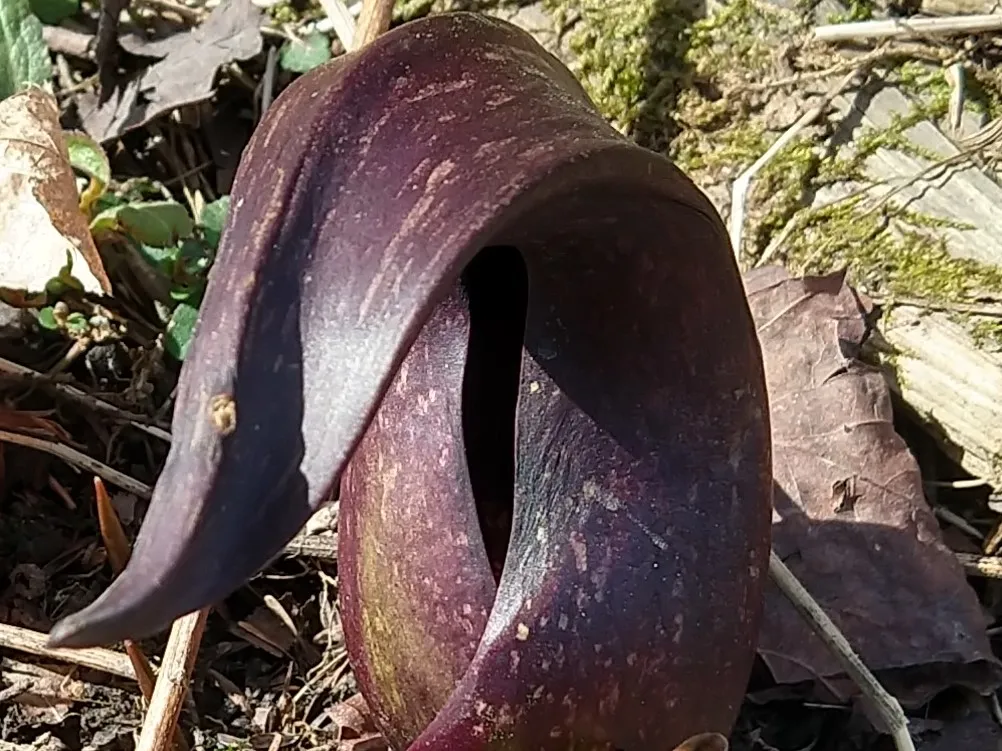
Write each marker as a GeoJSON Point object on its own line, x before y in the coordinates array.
{"type": "Point", "coordinates": [953, 385]}
{"type": "Point", "coordinates": [937, 367]}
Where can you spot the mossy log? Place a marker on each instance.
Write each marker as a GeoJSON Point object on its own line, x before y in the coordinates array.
{"type": "Point", "coordinates": [939, 366]}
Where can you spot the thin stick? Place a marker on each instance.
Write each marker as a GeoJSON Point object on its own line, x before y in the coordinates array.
{"type": "Point", "coordinates": [886, 706]}
{"type": "Point", "coordinates": [268, 82]}
{"type": "Point", "coordinates": [739, 191]}
{"type": "Point", "coordinates": [75, 394]}
{"type": "Point", "coordinates": [96, 658]}
{"type": "Point", "coordinates": [342, 20]}
{"type": "Point", "coordinates": [372, 21]}
{"type": "Point", "coordinates": [988, 310]}
{"type": "Point", "coordinates": [896, 28]}
{"type": "Point", "coordinates": [172, 682]}
{"type": "Point", "coordinates": [78, 459]}
{"type": "Point", "coordinates": [952, 517]}
{"type": "Point", "coordinates": [988, 566]}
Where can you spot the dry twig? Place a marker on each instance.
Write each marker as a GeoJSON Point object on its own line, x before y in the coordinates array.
{"type": "Point", "coordinates": [372, 21]}
{"type": "Point", "coordinates": [988, 566]}
{"type": "Point", "coordinates": [886, 706]}
{"type": "Point", "coordinates": [739, 191]}
{"type": "Point", "coordinates": [117, 546]}
{"type": "Point", "coordinates": [342, 20]}
{"type": "Point", "coordinates": [160, 724]}
{"type": "Point", "coordinates": [81, 397]}
{"type": "Point", "coordinates": [78, 459]}
{"type": "Point", "coordinates": [897, 28]}
{"type": "Point", "coordinates": [33, 642]}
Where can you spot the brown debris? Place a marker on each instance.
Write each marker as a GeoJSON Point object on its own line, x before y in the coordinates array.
{"type": "Point", "coordinates": [184, 76]}
{"type": "Point", "coordinates": [850, 516]}
{"type": "Point", "coordinates": [355, 727]}
{"type": "Point", "coordinates": [105, 49]}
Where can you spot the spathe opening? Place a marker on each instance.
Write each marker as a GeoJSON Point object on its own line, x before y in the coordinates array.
{"type": "Point", "coordinates": [496, 283]}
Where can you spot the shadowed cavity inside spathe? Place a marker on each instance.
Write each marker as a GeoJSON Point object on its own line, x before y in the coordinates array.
{"type": "Point", "coordinates": [496, 285]}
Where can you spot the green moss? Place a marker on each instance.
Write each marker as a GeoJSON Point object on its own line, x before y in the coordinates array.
{"type": "Point", "coordinates": [408, 10]}
{"type": "Point", "coordinates": [649, 64]}
{"type": "Point", "coordinates": [719, 130]}
{"type": "Point", "coordinates": [987, 333]}
{"type": "Point", "coordinates": [284, 13]}
{"type": "Point", "coordinates": [856, 10]}
{"type": "Point", "coordinates": [742, 33]}
{"type": "Point", "coordinates": [733, 147]}
{"type": "Point", "coordinates": [782, 185]}
{"type": "Point", "coordinates": [889, 252]}
{"type": "Point", "coordinates": [610, 42]}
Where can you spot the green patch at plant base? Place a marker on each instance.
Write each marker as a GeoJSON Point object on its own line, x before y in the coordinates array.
{"type": "Point", "coordinates": [180, 330]}
{"type": "Point", "coordinates": [178, 248]}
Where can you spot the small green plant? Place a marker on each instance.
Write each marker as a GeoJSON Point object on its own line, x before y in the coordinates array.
{"type": "Point", "coordinates": [302, 55]}
{"type": "Point", "coordinates": [177, 248]}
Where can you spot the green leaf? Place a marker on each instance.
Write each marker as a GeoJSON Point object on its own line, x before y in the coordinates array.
{"type": "Point", "coordinates": [87, 156]}
{"type": "Point", "coordinates": [180, 328]}
{"type": "Point", "coordinates": [190, 294]}
{"type": "Point", "coordinates": [59, 285]}
{"type": "Point", "coordinates": [299, 56]}
{"type": "Point", "coordinates": [54, 11]}
{"type": "Point", "coordinates": [24, 57]}
{"type": "Point", "coordinates": [77, 324]}
{"type": "Point", "coordinates": [47, 319]}
{"type": "Point", "coordinates": [157, 223]}
{"type": "Point", "coordinates": [163, 259]}
{"type": "Point", "coordinates": [195, 258]}
{"type": "Point", "coordinates": [213, 220]}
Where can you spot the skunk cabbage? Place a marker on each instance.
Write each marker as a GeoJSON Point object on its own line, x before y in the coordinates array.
{"type": "Point", "coordinates": [518, 345]}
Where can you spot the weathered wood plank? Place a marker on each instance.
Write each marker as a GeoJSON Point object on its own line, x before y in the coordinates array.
{"type": "Point", "coordinates": [953, 384]}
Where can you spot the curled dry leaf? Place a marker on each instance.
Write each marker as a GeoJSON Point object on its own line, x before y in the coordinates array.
{"type": "Point", "coordinates": [32, 423]}
{"type": "Point", "coordinates": [524, 343]}
{"type": "Point", "coordinates": [851, 519]}
{"type": "Point", "coordinates": [41, 226]}
{"type": "Point", "coordinates": [185, 75]}
{"type": "Point", "coordinates": [356, 730]}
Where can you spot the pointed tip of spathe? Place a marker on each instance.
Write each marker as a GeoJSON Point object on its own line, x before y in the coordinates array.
{"type": "Point", "coordinates": [71, 633]}
{"type": "Point", "coordinates": [113, 617]}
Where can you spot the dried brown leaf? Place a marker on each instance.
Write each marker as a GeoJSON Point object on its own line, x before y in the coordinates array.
{"type": "Point", "coordinates": [355, 728]}
{"type": "Point", "coordinates": [974, 731]}
{"type": "Point", "coordinates": [112, 534]}
{"type": "Point", "coordinates": [41, 225]}
{"type": "Point", "coordinates": [184, 76]}
{"type": "Point", "coordinates": [850, 517]}
{"type": "Point", "coordinates": [117, 546]}
{"type": "Point", "coordinates": [31, 423]}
